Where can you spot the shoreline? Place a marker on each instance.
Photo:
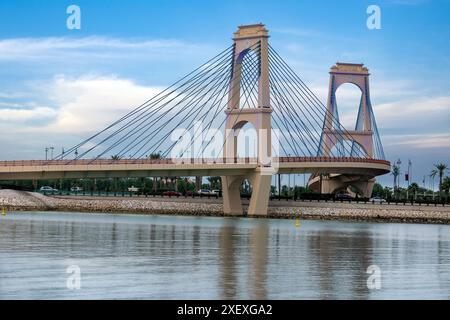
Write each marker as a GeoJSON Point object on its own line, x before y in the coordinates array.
{"type": "Point", "coordinates": [28, 201]}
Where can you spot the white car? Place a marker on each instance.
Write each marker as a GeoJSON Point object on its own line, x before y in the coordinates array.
{"type": "Point", "coordinates": [205, 192]}
{"type": "Point", "coordinates": [48, 189]}
{"type": "Point", "coordinates": [76, 189]}
{"type": "Point", "coordinates": [377, 200]}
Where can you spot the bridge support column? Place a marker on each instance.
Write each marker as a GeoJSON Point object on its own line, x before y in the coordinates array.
{"type": "Point", "coordinates": [365, 187]}
{"type": "Point", "coordinates": [259, 202]}
{"type": "Point", "coordinates": [231, 195]}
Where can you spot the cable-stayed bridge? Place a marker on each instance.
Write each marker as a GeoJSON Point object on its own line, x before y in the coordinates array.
{"type": "Point", "coordinates": [244, 114]}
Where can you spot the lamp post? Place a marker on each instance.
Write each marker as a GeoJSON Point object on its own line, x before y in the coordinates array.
{"type": "Point", "coordinates": [409, 178]}
{"type": "Point", "coordinates": [432, 186]}
{"type": "Point", "coordinates": [46, 153]}
{"type": "Point", "coordinates": [289, 181]}
{"type": "Point", "coordinates": [293, 195]}
{"type": "Point", "coordinates": [399, 162]}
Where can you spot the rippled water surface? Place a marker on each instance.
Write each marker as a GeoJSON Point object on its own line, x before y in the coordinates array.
{"type": "Point", "coordinates": [166, 257]}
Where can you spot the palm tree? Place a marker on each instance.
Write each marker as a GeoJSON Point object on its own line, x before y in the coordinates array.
{"type": "Point", "coordinates": [433, 174]}
{"type": "Point", "coordinates": [115, 157]}
{"type": "Point", "coordinates": [414, 188]}
{"type": "Point", "coordinates": [440, 169]}
{"type": "Point", "coordinates": [446, 184]}
{"type": "Point", "coordinates": [396, 173]}
{"type": "Point", "coordinates": [214, 182]}
{"type": "Point", "coordinates": [155, 155]}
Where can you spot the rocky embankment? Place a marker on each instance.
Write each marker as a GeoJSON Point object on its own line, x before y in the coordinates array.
{"type": "Point", "coordinates": [31, 201]}
{"type": "Point", "coordinates": [28, 201]}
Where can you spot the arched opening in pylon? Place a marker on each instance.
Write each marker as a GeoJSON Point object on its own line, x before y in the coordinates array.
{"type": "Point", "coordinates": [348, 98]}
{"type": "Point", "coordinates": [249, 63]}
{"type": "Point", "coordinates": [247, 140]}
{"type": "Point", "coordinates": [348, 148]}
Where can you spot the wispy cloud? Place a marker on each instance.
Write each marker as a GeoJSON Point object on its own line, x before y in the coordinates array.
{"type": "Point", "coordinates": [38, 49]}
{"type": "Point", "coordinates": [415, 114]}
{"type": "Point", "coordinates": [17, 116]}
{"type": "Point", "coordinates": [297, 32]}
{"type": "Point", "coordinates": [420, 141]}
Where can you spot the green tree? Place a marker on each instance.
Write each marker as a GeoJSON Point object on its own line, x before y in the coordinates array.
{"type": "Point", "coordinates": [413, 188]}
{"type": "Point", "coordinates": [396, 173]}
{"type": "Point", "coordinates": [378, 190]}
{"type": "Point", "coordinates": [115, 157]}
{"type": "Point", "coordinates": [214, 183]}
{"type": "Point", "coordinates": [439, 169]}
{"type": "Point", "coordinates": [273, 190]}
{"type": "Point", "coordinates": [155, 155]}
{"type": "Point", "coordinates": [446, 185]}
{"type": "Point", "coordinates": [387, 192]}
{"type": "Point", "coordinates": [284, 190]}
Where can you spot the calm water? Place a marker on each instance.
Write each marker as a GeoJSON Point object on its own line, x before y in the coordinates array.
{"type": "Point", "coordinates": [163, 257]}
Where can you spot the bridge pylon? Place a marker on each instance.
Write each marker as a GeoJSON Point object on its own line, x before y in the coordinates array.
{"type": "Point", "coordinates": [247, 39]}
{"type": "Point", "coordinates": [333, 134]}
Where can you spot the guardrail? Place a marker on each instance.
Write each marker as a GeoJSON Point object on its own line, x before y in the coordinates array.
{"type": "Point", "coordinates": [98, 193]}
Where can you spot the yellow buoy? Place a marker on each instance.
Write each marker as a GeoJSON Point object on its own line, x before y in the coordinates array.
{"type": "Point", "coordinates": [3, 211]}
{"type": "Point", "coordinates": [297, 223]}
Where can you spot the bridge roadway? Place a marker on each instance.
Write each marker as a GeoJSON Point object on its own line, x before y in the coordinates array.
{"type": "Point", "coordinates": [133, 168]}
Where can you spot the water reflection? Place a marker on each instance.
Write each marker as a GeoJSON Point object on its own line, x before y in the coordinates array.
{"type": "Point", "coordinates": [228, 276]}
{"type": "Point", "coordinates": [334, 254]}
{"type": "Point", "coordinates": [259, 260]}
{"type": "Point", "coordinates": [157, 257]}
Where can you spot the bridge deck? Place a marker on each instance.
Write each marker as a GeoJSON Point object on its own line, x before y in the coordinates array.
{"type": "Point", "coordinates": [55, 169]}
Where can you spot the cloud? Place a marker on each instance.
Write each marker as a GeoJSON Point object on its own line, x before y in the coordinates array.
{"type": "Point", "coordinates": [425, 112]}
{"type": "Point", "coordinates": [11, 95]}
{"type": "Point", "coordinates": [16, 116]}
{"type": "Point", "coordinates": [39, 49]}
{"type": "Point", "coordinates": [303, 32]}
{"type": "Point", "coordinates": [420, 141]}
{"type": "Point", "coordinates": [89, 103]}
{"type": "Point", "coordinates": [77, 107]}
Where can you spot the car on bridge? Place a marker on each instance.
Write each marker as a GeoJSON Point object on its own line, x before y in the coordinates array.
{"type": "Point", "coordinates": [377, 200]}
{"type": "Point", "coordinates": [48, 189]}
{"type": "Point", "coordinates": [76, 189]}
{"type": "Point", "coordinates": [206, 192]}
{"type": "Point", "coordinates": [343, 196]}
{"type": "Point", "coordinates": [172, 194]}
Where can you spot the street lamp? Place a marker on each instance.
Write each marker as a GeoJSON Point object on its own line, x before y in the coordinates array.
{"type": "Point", "coordinates": [289, 181]}
{"type": "Point", "coordinates": [293, 196]}
{"type": "Point", "coordinates": [409, 178]}
{"type": "Point", "coordinates": [399, 162]}
{"type": "Point", "coordinates": [46, 152]}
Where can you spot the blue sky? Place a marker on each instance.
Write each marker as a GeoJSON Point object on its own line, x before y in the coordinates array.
{"type": "Point", "coordinates": [58, 85]}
